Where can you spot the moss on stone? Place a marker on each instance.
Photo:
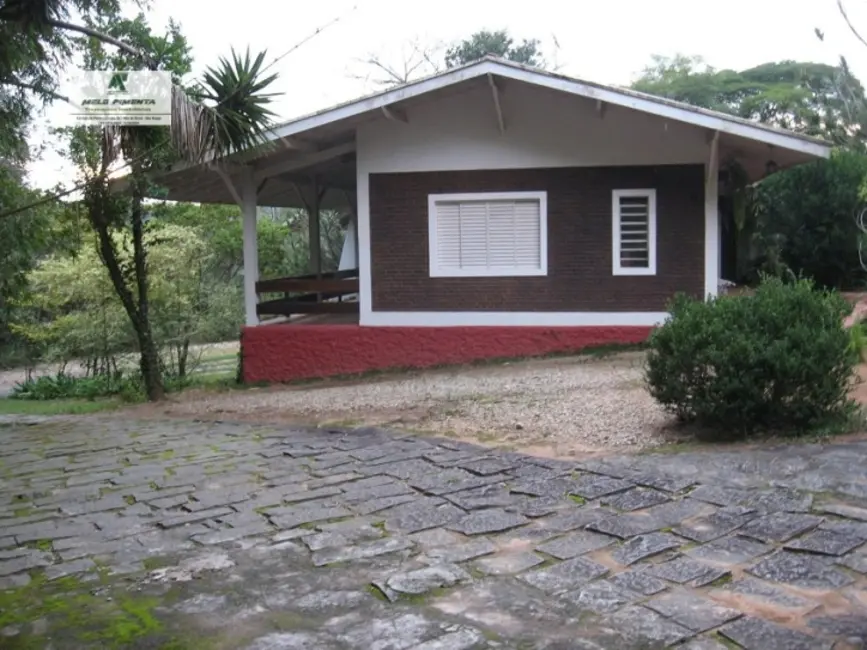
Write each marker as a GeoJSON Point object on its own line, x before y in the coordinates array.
{"type": "Point", "coordinates": [82, 618]}
{"type": "Point", "coordinates": [156, 562]}
{"type": "Point", "coordinates": [376, 592]}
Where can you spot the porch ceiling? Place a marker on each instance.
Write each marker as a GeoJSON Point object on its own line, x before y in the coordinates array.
{"type": "Point", "coordinates": [203, 184]}
{"type": "Point", "coordinates": [755, 156]}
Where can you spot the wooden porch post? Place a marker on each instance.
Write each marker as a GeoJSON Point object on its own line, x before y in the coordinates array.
{"type": "Point", "coordinates": [251, 247]}
{"type": "Point", "coordinates": [352, 201]}
{"type": "Point", "coordinates": [315, 238]}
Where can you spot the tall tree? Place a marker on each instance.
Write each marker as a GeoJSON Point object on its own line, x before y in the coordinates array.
{"type": "Point", "coordinates": [226, 112]}
{"type": "Point", "coordinates": [812, 98]}
{"type": "Point", "coordinates": [497, 43]}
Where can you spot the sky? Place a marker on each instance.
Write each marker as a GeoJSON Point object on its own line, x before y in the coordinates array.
{"type": "Point", "coordinates": [607, 41]}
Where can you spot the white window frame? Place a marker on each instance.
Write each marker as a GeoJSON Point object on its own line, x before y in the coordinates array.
{"type": "Point", "coordinates": [617, 269]}
{"type": "Point", "coordinates": [436, 272]}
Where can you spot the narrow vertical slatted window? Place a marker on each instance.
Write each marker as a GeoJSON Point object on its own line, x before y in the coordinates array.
{"type": "Point", "coordinates": [488, 234]}
{"type": "Point", "coordinates": [634, 232]}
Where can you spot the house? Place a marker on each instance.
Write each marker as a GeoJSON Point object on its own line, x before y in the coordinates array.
{"type": "Point", "coordinates": [496, 210]}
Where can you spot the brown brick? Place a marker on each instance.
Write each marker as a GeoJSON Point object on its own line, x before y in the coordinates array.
{"type": "Point", "coordinates": [579, 241]}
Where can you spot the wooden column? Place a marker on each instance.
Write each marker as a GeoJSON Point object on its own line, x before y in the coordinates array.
{"type": "Point", "coordinates": [351, 204]}
{"type": "Point", "coordinates": [313, 229]}
{"type": "Point", "coordinates": [251, 247]}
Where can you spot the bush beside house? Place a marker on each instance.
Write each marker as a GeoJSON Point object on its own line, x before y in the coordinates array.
{"type": "Point", "coordinates": [777, 360]}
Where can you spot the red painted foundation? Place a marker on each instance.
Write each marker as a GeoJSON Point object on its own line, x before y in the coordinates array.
{"type": "Point", "coordinates": [276, 353]}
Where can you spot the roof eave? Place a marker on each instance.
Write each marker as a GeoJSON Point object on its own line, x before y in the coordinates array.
{"type": "Point", "coordinates": [627, 98]}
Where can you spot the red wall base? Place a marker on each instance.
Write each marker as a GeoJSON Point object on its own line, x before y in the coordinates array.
{"type": "Point", "coordinates": [275, 353]}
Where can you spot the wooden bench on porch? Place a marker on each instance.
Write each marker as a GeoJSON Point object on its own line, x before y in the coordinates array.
{"type": "Point", "coordinates": [333, 292]}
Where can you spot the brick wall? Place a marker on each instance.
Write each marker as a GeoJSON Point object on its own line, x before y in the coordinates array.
{"type": "Point", "coordinates": [579, 241]}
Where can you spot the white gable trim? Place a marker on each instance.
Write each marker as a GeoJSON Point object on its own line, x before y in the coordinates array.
{"type": "Point", "coordinates": [619, 97]}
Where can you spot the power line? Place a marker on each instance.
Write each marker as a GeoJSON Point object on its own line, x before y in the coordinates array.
{"type": "Point", "coordinates": [79, 186]}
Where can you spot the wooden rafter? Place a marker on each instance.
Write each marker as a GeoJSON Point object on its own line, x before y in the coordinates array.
{"type": "Point", "coordinates": [394, 114]}
{"type": "Point", "coordinates": [495, 93]}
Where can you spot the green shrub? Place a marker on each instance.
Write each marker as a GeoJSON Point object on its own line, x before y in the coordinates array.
{"type": "Point", "coordinates": [64, 386]}
{"type": "Point", "coordinates": [779, 360]}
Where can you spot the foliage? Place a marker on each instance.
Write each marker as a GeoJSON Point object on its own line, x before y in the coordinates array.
{"type": "Point", "coordinates": [805, 221]}
{"type": "Point", "coordinates": [777, 360]}
{"type": "Point", "coordinates": [235, 120]}
{"type": "Point", "coordinates": [64, 386]}
{"type": "Point", "coordinates": [57, 407]}
{"type": "Point", "coordinates": [78, 316]}
{"type": "Point", "coordinates": [812, 98]}
{"type": "Point", "coordinates": [497, 43]}
{"type": "Point", "coordinates": [236, 92]}
{"type": "Point", "coordinates": [33, 56]}
{"type": "Point", "coordinates": [282, 237]}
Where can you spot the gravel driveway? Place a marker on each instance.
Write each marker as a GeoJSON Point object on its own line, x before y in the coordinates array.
{"type": "Point", "coordinates": [548, 406]}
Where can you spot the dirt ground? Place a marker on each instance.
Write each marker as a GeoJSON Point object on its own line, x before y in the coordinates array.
{"type": "Point", "coordinates": [556, 406]}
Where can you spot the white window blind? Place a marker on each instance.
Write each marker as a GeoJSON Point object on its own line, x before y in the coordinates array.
{"type": "Point", "coordinates": [634, 232]}
{"type": "Point", "coordinates": [488, 234]}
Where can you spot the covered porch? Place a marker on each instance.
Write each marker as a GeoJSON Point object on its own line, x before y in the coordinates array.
{"type": "Point", "coordinates": [310, 175]}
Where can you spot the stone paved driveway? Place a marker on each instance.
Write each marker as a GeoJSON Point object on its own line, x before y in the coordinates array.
{"type": "Point", "coordinates": [184, 535]}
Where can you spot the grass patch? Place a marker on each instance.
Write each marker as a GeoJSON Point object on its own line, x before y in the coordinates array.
{"type": "Point", "coordinates": [154, 563]}
{"type": "Point", "coordinates": [57, 407]}
{"type": "Point", "coordinates": [578, 499]}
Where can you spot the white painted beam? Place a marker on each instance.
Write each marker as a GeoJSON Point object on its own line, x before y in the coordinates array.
{"type": "Point", "coordinates": [395, 114]}
{"type": "Point", "coordinates": [315, 237]}
{"type": "Point", "coordinates": [251, 247]}
{"type": "Point", "coordinates": [291, 142]}
{"type": "Point", "coordinates": [292, 164]}
{"type": "Point", "coordinates": [495, 93]}
{"type": "Point", "coordinates": [711, 221]}
{"type": "Point", "coordinates": [713, 165]}
{"type": "Point", "coordinates": [229, 184]}
{"type": "Point", "coordinates": [601, 108]}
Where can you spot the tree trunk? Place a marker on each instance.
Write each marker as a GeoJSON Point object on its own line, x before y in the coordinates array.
{"type": "Point", "coordinates": [149, 362]}
{"type": "Point", "coordinates": [183, 353]}
{"type": "Point", "coordinates": [150, 358]}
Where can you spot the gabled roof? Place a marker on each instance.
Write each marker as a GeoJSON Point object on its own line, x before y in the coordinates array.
{"type": "Point", "coordinates": [614, 95]}
{"type": "Point", "coordinates": [322, 144]}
